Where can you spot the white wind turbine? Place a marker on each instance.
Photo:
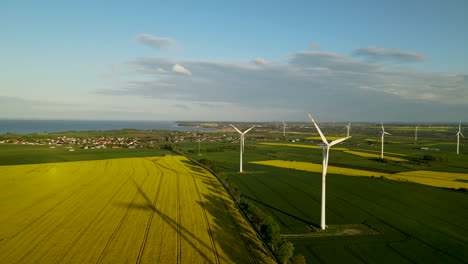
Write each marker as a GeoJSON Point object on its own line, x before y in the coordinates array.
{"type": "Point", "coordinates": [325, 154]}
{"type": "Point", "coordinates": [284, 129]}
{"type": "Point", "coordinates": [416, 134]}
{"type": "Point", "coordinates": [241, 143]}
{"type": "Point", "coordinates": [383, 134]}
{"type": "Point", "coordinates": [459, 133]}
{"type": "Point", "coordinates": [348, 127]}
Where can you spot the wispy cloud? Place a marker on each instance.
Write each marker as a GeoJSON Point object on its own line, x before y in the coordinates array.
{"type": "Point", "coordinates": [335, 84]}
{"type": "Point", "coordinates": [155, 42]}
{"type": "Point", "coordinates": [379, 54]}
{"type": "Point", "coordinates": [259, 61]}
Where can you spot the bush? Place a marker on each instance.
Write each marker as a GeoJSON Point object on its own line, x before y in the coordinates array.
{"type": "Point", "coordinates": [298, 259]}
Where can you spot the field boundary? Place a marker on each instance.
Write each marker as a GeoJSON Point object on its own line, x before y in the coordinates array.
{"type": "Point", "coordinates": [232, 198]}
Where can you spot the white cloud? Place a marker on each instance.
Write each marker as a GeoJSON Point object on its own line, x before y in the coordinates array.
{"type": "Point", "coordinates": [259, 61]}
{"type": "Point", "coordinates": [180, 69]}
{"type": "Point", "coordinates": [338, 85]}
{"type": "Point", "coordinates": [376, 53]}
{"type": "Point", "coordinates": [158, 43]}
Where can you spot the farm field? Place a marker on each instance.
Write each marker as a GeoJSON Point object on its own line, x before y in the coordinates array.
{"type": "Point", "coordinates": [431, 178]}
{"type": "Point", "coordinates": [416, 223]}
{"type": "Point", "coordinates": [12, 154]}
{"type": "Point", "coordinates": [138, 210]}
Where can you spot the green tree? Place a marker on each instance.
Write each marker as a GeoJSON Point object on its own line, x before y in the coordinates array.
{"type": "Point", "coordinates": [270, 231]}
{"type": "Point", "coordinates": [285, 251]}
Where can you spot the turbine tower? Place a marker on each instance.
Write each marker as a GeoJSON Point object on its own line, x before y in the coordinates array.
{"type": "Point", "coordinates": [284, 129]}
{"type": "Point", "coordinates": [459, 133]}
{"type": "Point", "coordinates": [241, 143]}
{"type": "Point", "coordinates": [383, 134]}
{"type": "Point", "coordinates": [325, 153]}
{"type": "Point", "coordinates": [348, 127]}
{"type": "Point", "coordinates": [416, 134]}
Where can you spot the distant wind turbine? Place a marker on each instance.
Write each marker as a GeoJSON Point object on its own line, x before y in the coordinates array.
{"type": "Point", "coordinates": [241, 143]}
{"type": "Point", "coordinates": [416, 134]}
{"type": "Point", "coordinates": [325, 154]}
{"type": "Point", "coordinates": [284, 129]}
{"type": "Point", "coordinates": [348, 127]}
{"type": "Point", "coordinates": [459, 133]}
{"type": "Point", "coordinates": [383, 134]}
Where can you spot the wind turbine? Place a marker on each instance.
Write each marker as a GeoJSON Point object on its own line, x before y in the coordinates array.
{"type": "Point", "coordinates": [416, 134]}
{"type": "Point", "coordinates": [383, 134]}
{"type": "Point", "coordinates": [348, 127]}
{"type": "Point", "coordinates": [459, 133]}
{"type": "Point", "coordinates": [284, 129]}
{"type": "Point", "coordinates": [325, 153]}
{"type": "Point", "coordinates": [241, 143]}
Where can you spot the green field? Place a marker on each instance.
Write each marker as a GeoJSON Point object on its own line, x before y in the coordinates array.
{"type": "Point", "coordinates": [402, 219]}
{"type": "Point", "coordinates": [30, 154]}
{"type": "Point", "coordinates": [131, 210]}
{"type": "Point", "coordinates": [415, 223]}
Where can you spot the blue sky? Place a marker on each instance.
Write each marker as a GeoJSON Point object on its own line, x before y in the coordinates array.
{"type": "Point", "coordinates": [239, 61]}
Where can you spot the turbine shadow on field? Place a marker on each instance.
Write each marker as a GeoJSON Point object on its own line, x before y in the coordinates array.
{"type": "Point", "coordinates": [183, 232]}
{"type": "Point", "coordinates": [281, 211]}
{"type": "Point", "coordinates": [231, 230]}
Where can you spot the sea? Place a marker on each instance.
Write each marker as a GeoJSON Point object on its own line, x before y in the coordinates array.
{"type": "Point", "coordinates": [21, 126]}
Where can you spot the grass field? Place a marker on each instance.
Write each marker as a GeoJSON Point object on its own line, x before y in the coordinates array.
{"type": "Point", "coordinates": [12, 154]}
{"type": "Point", "coordinates": [415, 223]}
{"type": "Point", "coordinates": [131, 210]}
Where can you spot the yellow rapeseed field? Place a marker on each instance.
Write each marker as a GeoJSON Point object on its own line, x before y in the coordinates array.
{"type": "Point", "coordinates": [378, 151]}
{"type": "Point", "coordinates": [370, 155]}
{"type": "Point", "coordinates": [307, 166]}
{"type": "Point", "coordinates": [132, 210]}
{"type": "Point", "coordinates": [431, 178]}
{"type": "Point", "coordinates": [299, 146]}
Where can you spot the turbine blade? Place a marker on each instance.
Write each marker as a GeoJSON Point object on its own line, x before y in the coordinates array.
{"type": "Point", "coordinates": [324, 139]}
{"type": "Point", "coordinates": [245, 132]}
{"type": "Point", "coordinates": [334, 142]}
{"type": "Point", "coordinates": [236, 129]}
{"type": "Point", "coordinates": [386, 133]}
{"type": "Point", "coordinates": [461, 134]}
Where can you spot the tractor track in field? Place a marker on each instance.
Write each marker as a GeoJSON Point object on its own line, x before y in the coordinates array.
{"type": "Point", "coordinates": [256, 197]}
{"type": "Point", "coordinates": [387, 244]}
{"type": "Point", "coordinates": [150, 219]}
{"type": "Point", "coordinates": [314, 199]}
{"type": "Point", "coordinates": [226, 208]}
{"type": "Point", "coordinates": [317, 256]}
{"type": "Point", "coordinates": [82, 232]}
{"type": "Point", "coordinates": [282, 197]}
{"type": "Point", "coordinates": [407, 235]}
{"type": "Point", "coordinates": [388, 197]}
{"type": "Point", "coordinates": [354, 254]}
{"type": "Point", "coordinates": [210, 233]}
{"type": "Point", "coordinates": [54, 230]}
{"type": "Point", "coordinates": [119, 225]}
{"type": "Point", "coordinates": [179, 241]}
{"type": "Point", "coordinates": [30, 224]}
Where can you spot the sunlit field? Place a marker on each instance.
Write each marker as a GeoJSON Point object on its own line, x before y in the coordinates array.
{"type": "Point", "coordinates": [414, 199]}
{"type": "Point", "coordinates": [130, 210]}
